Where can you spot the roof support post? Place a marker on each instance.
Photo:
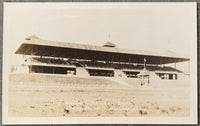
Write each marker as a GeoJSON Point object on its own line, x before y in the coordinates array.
{"type": "Point", "coordinates": [94, 59]}
{"type": "Point", "coordinates": [31, 51]}
{"type": "Point", "coordinates": [31, 60]}
{"type": "Point", "coordinates": [112, 57]}
{"type": "Point", "coordinates": [145, 63]}
{"type": "Point", "coordinates": [160, 61]}
{"type": "Point", "coordinates": [74, 54]}
{"type": "Point", "coordinates": [54, 52]}
{"type": "Point", "coordinates": [175, 64]}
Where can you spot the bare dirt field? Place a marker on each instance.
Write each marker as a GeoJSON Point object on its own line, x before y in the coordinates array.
{"type": "Point", "coordinates": [36, 95]}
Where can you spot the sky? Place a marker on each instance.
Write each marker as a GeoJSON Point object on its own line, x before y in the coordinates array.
{"type": "Point", "coordinates": [143, 26]}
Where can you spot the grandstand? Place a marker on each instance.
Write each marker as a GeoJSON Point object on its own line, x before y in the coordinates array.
{"type": "Point", "coordinates": [70, 59]}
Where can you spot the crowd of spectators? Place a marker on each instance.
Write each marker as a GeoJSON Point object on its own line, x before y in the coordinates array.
{"type": "Point", "coordinates": [103, 64]}
{"type": "Point", "coordinates": [50, 61]}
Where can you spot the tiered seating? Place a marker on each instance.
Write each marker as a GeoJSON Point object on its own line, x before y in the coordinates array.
{"type": "Point", "coordinates": [102, 64]}
{"type": "Point", "coordinates": [128, 66]}
{"type": "Point", "coordinates": [49, 61]}
{"type": "Point", "coordinates": [112, 65]}
{"type": "Point", "coordinates": [157, 68]}
{"type": "Point", "coordinates": [72, 82]}
{"type": "Point", "coordinates": [96, 64]}
{"type": "Point", "coordinates": [170, 69]}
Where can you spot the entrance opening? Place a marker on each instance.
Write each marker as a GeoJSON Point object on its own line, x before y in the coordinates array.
{"type": "Point", "coordinates": [131, 74]}
{"type": "Point", "coordinates": [108, 73]}
{"type": "Point", "coordinates": [52, 70]}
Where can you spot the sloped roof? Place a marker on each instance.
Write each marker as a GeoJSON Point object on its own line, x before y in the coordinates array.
{"type": "Point", "coordinates": [25, 48]}
{"type": "Point", "coordinates": [97, 48]}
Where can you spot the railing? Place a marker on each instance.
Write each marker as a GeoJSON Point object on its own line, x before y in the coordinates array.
{"type": "Point", "coordinates": [97, 64]}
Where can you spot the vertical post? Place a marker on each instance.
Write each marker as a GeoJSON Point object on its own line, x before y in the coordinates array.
{"type": "Point", "coordinates": [54, 53]}
{"type": "Point", "coordinates": [188, 66]}
{"type": "Point", "coordinates": [129, 61]}
{"type": "Point", "coordinates": [144, 63]}
{"type": "Point", "coordinates": [42, 69]}
{"type": "Point", "coordinates": [74, 54]}
{"type": "Point", "coordinates": [160, 62]}
{"type": "Point", "coordinates": [175, 65]}
{"type": "Point", "coordinates": [94, 59]}
{"type": "Point", "coordinates": [174, 76]}
{"type": "Point", "coordinates": [112, 57]}
{"type": "Point", "coordinates": [111, 60]}
{"type": "Point", "coordinates": [31, 60]}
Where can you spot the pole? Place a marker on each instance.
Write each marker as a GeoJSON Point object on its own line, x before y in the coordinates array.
{"type": "Point", "coordinates": [31, 60]}
{"type": "Point", "coordinates": [175, 65]}
{"type": "Point", "coordinates": [129, 61]}
{"type": "Point", "coordinates": [94, 59]}
{"type": "Point", "coordinates": [144, 63]}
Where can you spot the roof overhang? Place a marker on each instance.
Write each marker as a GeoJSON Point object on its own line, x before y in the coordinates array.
{"type": "Point", "coordinates": [40, 47]}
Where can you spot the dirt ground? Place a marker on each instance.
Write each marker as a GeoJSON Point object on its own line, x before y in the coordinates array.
{"type": "Point", "coordinates": [59, 96]}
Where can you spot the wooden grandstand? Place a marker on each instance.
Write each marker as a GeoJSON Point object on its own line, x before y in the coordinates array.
{"type": "Point", "coordinates": [50, 57]}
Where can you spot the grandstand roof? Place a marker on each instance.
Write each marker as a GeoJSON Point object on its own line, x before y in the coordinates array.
{"type": "Point", "coordinates": [39, 47]}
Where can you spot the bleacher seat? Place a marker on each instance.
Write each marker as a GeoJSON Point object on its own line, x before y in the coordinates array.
{"type": "Point", "coordinates": [102, 64]}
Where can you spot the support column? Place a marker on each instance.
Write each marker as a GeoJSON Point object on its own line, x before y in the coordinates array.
{"type": "Point", "coordinates": [74, 54]}
{"type": "Point", "coordinates": [54, 53]}
{"type": "Point", "coordinates": [94, 60]}
{"type": "Point", "coordinates": [174, 76]}
{"type": "Point", "coordinates": [175, 65]}
{"type": "Point", "coordinates": [145, 63]}
{"type": "Point", "coordinates": [160, 62]}
{"type": "Point", "coordinates": [31, 60]}
{"type": "Point", "coordinates": [129, 61]}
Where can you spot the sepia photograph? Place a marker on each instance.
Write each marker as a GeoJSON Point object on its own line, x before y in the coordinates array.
{"type": "Point", "coordinates": [100, 63]}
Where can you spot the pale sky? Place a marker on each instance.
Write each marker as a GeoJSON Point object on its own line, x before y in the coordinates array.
{"type": "Point", "coordinates": [142, 26]}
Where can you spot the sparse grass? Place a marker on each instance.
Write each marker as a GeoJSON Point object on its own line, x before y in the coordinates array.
{"type": "Point", "coordinates": [143, 112]}
{"type": "Point", "coordinates": [32, 106]}
{"type": "Point", "coordinates": [62, 94]}
{"type": "Point", "coordinates": [164, 111]}
{"type": "Point", "coordinates": [66, 110]}
{"type": "Point", "coordinates": [172, 109]}
{"type": "Point", "coordinates": [98, 114]}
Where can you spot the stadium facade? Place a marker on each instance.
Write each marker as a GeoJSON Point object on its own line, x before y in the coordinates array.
{"type": "Point", "coordinates": [70, 59]}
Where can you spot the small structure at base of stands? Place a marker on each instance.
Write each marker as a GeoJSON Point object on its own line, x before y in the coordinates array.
{"type": "Point", "coordinates": [49, 57]}
{"type": "Point", "coordinates": [144, 76]}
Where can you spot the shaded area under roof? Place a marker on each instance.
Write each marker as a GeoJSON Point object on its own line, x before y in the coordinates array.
{"type": "Point", "coordinates": [40, 47]}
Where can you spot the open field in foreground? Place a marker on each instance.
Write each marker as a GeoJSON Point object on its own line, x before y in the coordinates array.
{"type": "Point", "coordinates": [35, 95]}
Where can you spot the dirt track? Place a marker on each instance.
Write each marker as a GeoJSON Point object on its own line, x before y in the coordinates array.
{"type": "Point", "coordinates": [31, 97]}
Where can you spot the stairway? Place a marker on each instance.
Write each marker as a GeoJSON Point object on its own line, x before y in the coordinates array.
{"type": "Point", "coordinates": [82, 72]}
{"type": "Point", "coordinates": [119, 74]}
